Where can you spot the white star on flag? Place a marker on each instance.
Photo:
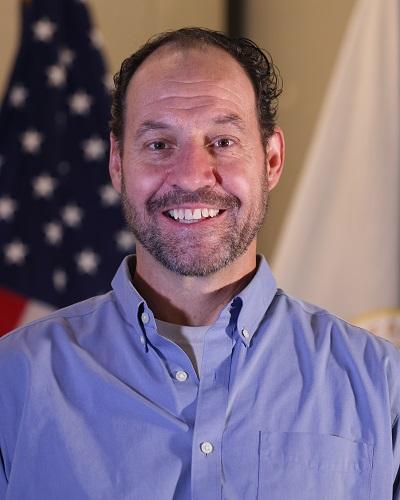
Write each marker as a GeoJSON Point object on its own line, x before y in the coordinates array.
{"type": "Point", "coordinates": [96, 38]}
{"type": "Point", "coordinates": [56, 75]}
{"type": "Point", "coordinates": [43, 30]}
{"type": "Point", "coordinates": [7, 208]}
{"type": "Point", "coordinates": [87, 261]}
{"type": "Point", "coordinates": [53, 232]}
{"type": "Point", "coordinates": [18, 95]}
{"type": "Point", "coordinates": [66, 57]}
{"type": "Point", "coordinates": [71, 215]}
{"type": "Point", "coordinates": [60, 279]}
{"type": "Point", "coordinates": [31, 141]}
{"type": "Point", "coordinates": [43, 186]}
{"type": "Point", "coordinates": [94, 148]}
{"type": "Point", "coordinates": [15, 252]}
{"type": "Point", "coordinates": [125, 241]}
{"type": "Point", "coordinates": [109, 197]}
{"type": "Point", "coordinates": [80, 102]}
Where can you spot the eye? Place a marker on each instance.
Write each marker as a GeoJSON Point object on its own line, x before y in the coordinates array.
{"type": "Point", "coordinates": [158, 145]}
{"type": "Point", "coordinates": [224, 142]}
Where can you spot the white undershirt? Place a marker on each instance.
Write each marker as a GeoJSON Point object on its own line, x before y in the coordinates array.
{"type": "Point", "coordinates": [189, 338]}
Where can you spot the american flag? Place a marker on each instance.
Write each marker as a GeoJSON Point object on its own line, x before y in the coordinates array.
{"type": "Point", "coordinates": [61, 231]}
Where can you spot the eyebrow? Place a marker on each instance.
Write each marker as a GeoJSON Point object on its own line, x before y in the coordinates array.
{"type": "Point", "coordinates": [232, 119]}
{"type": "Point", "coordinates": [149, 126]}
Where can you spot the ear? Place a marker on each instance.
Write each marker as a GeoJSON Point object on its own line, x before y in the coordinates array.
{"type": "Point", "coordinates": [275, 154]}
{"type": "Point", "coordinates": [115, 163]}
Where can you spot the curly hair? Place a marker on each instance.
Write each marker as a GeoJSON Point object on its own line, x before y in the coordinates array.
{"type": "Point", "coordinates": [258, 65]}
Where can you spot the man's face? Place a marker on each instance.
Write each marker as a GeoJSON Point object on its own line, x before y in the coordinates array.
{"type": "Point", "coordinates": [193, 172]}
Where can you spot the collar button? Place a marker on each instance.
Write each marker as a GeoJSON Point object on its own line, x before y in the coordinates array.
{"type": "Point", "coordinates": [181, 376]}
{"type": "Point", "coordinates": [145, 318]}
{"type": "Point", "coordinates": [245, 333]}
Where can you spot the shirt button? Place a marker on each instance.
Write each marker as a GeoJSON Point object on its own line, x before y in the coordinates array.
{"type": "Point", "coordinates": [181, 376]}
{"type": "Point", "coordinates": [206, 447]}
{"type": "Point", "coordinates": [142, 339]}
{"type": "Point", "coordinates": [145, 318]}
{"type": "Point", "coordinates": [245, 333]}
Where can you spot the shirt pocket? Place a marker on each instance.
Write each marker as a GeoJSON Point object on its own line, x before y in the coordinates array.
{"type": "Point", "coordinates": [297, 466]}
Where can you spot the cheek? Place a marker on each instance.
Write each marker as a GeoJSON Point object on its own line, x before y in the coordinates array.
{"type": "Point", "coordinates": [142, 181]}
{"type": "Point", "coordinates": [246, 180]}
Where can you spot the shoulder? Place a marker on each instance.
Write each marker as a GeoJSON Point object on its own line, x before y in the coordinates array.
{"type": "Point", "coordinates": [321, 330]}
{"type": "Point", "coordinates": [337, 347]}
{"type": "Point", "coordinates": [69, 322]}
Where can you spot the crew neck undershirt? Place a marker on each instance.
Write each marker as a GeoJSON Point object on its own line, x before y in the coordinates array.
{"type": "Point", "coordinates": [189, 338]}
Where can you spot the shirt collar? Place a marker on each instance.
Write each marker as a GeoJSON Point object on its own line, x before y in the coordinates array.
{"type": "Point", "coordinates": [254, 300]}
{"type": "Point", "coordinates": [250, 305]}
{"type": "Point", "coordinates": [128, 298]}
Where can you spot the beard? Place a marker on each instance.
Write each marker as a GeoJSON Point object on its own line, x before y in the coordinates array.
{"type": "Point", "coordinates": [200, 252]}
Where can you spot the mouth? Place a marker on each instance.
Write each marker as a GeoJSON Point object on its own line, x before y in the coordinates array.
{"type": "Point", "coordinates": [192, 215]}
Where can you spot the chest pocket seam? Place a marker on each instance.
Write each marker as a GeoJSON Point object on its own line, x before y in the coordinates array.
{"type": "Point", "coordinates": [328, 456]}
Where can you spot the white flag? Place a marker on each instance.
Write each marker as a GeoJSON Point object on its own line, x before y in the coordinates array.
{"type": "Point", "coordinates": [340, 245]}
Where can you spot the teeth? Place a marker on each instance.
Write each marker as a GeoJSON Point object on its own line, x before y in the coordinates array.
{"type": "Point", "coordinates": [196, 214]}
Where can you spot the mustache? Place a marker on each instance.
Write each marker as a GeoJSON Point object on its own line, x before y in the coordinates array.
{"type": "Point", "coordinates": [203, 195]}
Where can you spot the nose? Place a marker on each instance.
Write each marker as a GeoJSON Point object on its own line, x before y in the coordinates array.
{"type": "Point", "coordinates": [193, 169]}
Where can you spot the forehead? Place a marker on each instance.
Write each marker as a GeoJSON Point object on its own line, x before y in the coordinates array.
{"type": "Point", "coordinates": [184, 78]}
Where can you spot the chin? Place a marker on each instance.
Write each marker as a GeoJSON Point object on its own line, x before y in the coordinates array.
{"type": "Point", "coordinates": [195, 264]}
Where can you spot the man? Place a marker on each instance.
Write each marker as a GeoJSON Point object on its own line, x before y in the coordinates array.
{"type": "Point", "coordinates": [195, 378]}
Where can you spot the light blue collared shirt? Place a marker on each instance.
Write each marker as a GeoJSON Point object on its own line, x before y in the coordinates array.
{"type": "Point", "coordinates": [293, 403]}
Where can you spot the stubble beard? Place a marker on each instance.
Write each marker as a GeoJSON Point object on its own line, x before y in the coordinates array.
{"type": "Point", "coordinates": [196, 253]}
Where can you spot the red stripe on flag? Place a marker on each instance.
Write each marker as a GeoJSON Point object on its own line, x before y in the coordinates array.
{"type": "Point", "coordinates": [12, 306]}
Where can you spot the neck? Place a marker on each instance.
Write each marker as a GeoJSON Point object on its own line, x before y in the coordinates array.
{"type": "Point", "coordinates": [187, 300]}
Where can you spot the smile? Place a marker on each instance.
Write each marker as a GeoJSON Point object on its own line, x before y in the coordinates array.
{"type": "Point", "coordinates": [187, 215]}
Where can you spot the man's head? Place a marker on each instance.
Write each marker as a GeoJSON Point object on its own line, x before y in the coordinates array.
{"type": "Point", "coordinates": [190, 155]}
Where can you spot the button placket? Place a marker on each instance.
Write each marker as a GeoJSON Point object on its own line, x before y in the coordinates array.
{"type": "Point", "coordinates": [211, 411]}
